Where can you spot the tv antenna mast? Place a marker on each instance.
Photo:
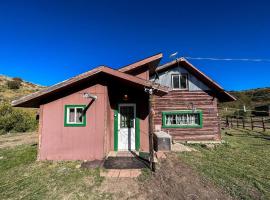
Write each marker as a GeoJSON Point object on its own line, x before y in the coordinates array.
{"type": "Point", "coordinates": [174, 55]}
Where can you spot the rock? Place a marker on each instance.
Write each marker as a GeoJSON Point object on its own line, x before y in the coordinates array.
{"type": "Point", "coordinates": [160, 155]}
{"type": "Point", "coordinates": [62, 170]}
{"type": "Point", "coordinates": [177, 147]}
{"type": "Point", "coordinates": [210, 146]}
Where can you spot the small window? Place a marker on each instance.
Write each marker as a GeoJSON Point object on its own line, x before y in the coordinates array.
{"type": "Point", "coordinates": [182, 119]}
{"type": "Point", "coordinates": [126, 117]}
{"type": "Point", "coordinates": [179, 81]}
{"type": "Point", "coordinates": [75, 115]}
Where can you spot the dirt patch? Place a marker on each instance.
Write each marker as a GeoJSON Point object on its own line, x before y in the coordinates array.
{"type": "Point", "coordinates": [12, 140]}
{"type": "Point", "coordinates": [92, 164]}
{"type": "Point", "coordinates": [122, 188]}
{"type": "Point", "coordinates": [172, 180]}
{"type": "Point", "coordinates": [124, 163]}
{"type": "Point", "coordinates": [176, 180]}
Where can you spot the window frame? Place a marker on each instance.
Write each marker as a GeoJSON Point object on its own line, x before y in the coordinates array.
{"type": "Point", "coordinates": [164, 113]}
{"type": "Point", "coordinates": [74, 124]}
{"type": "Point", "coordinates": [179, 77]}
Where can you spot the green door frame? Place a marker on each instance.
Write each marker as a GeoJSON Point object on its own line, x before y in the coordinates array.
{"type": "Point", "coordinates": [137, 130]}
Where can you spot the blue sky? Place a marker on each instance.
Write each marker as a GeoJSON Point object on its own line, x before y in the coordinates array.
{"type": "Point", "coordinates": [48, 41]}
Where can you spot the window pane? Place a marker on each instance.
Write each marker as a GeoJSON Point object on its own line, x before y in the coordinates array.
{"type": "Point", "coordinates": [183, 81]}
{"type": "Point", "coordinates": [71, 115]}
{"type": "Point", "coordinates": [182, 119]}
{"type": "Point", "coordinates": [79, 115]}
{"type": "Point", "coordinates": [175, 81]}
{"type": "Point", "coordinates": [126, 117]}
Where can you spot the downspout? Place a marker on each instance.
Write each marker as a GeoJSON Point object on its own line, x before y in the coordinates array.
{"type": "Point", "coordinates": [150, 91]}
{"type": "Point", "coordinates": [151, 132]}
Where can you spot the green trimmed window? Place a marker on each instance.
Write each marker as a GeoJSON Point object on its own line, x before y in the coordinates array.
{"type": "Point", "coordinates": [75, 115]}
{"type": "Point", "coordinates": [182, 119]}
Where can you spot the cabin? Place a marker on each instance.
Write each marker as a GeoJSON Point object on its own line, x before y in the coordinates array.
{"type": "Point", "coordinates": [188, 112]}
{"type": "Point", "coordinates": [105, 109]}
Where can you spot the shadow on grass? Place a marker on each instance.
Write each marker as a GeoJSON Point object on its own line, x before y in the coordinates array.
{"type": "Point", "coordinates": [250, 133]}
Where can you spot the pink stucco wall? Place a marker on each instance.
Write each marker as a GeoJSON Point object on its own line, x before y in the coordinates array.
{"type": "Point", "coordinates": [96, 139]}
{"type": "Point", "coordinates": [143, 75]}
{"type": "Point", "coordinates": [74, 143]}
{"type": "Point", "coordinates": [144, 134]}
{"type": "Point", "coordinates": [144, 123]}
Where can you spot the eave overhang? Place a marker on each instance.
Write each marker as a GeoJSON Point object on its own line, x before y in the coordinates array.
{"type": "Point", "coordinates": [34, 100]}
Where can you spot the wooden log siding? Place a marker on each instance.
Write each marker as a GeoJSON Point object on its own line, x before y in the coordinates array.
{"type": "Point", "coordinates": [181, 100]}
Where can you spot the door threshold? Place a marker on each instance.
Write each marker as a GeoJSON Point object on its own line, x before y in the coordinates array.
{"type": "Point", "coordinates": [123, 153]}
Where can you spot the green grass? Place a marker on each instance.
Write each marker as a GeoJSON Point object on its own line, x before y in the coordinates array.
{"type": "Point", "coordinates": [145, 174]}
{"type": "Point", "coordinates": [241, 166]}
{"type": "Point", "coordinates": [22, 177]}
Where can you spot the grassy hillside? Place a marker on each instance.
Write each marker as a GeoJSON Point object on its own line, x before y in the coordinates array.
{"type": "Point", "coordinates": [250, 98]}
{"type": "Point", "coordinates": [7, 94]}
{"type": "Point", "coordinates": [16, 119]}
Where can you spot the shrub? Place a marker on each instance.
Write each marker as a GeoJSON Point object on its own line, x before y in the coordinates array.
{"type": "Point", "coordinates": [16, 120]}
{"type": "Point", "coordinates": [17, 79]}
{"type": "Point", "coordinates": [14, 84]}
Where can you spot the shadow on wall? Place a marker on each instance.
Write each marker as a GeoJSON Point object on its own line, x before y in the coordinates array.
{"type": "Point", "coordinates": [119, 90]}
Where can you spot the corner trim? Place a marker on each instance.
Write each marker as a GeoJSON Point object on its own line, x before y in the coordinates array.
{"type": "Point", "coordinates": [116, 129]}
{"type": "Point", "coordinates": [137, 134]}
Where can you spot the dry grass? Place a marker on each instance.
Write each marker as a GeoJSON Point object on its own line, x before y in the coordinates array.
{"type": "Point", "coordinates": [9, 94]}
{"type": "Point", "coordinates": [12, 140]}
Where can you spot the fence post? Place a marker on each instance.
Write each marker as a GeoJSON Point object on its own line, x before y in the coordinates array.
{"type": "Point", "coordinates": [237, 122]}
{"type": "Point", "coordinates": [251, 122]}
{"type": "Point", "coordinates": [227, 122]}
{"type": "Point", "coordinates": [243, 121]}
{"type": "Point", "coordinates": [263, 124]}
{"type": "Point", "coordinates": [231, 122]}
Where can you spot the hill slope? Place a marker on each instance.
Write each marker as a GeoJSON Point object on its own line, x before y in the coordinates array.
{"type": "Point", "coordinates": [250, 98]}
{"type": "Point", "coordinates": [16, 119]}
{"type": "Point", "coordinates": [7, 94]}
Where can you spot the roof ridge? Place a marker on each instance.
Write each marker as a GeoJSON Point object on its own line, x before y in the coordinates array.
{"type": "Point", "coordinates": [133, 65]}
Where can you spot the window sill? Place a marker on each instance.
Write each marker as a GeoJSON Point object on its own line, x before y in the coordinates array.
{"type": "Point", "coordinates": [175, 89]}
{"type": "Point", "coordinates": [180, 126]}
{"type": "Point", "coordinates": [74, 125]}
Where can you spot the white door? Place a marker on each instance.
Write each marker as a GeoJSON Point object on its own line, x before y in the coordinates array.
{"type": "Point", "coordinates": [126, 127]}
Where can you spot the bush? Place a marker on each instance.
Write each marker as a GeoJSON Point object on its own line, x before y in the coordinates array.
{"type": "Point", "coordinates": [16, 120]}
{"type": "Point", "coordinates": [14, 84]}
{"type": "Point", "coordinates": [17, 79]}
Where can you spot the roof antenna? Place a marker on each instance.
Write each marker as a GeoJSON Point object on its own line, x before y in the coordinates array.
{"type": "Point", "coordinates": [173, 55]}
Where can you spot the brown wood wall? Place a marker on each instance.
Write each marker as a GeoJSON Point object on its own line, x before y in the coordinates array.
{"type": "Point", "coordinates": [180, 100]}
